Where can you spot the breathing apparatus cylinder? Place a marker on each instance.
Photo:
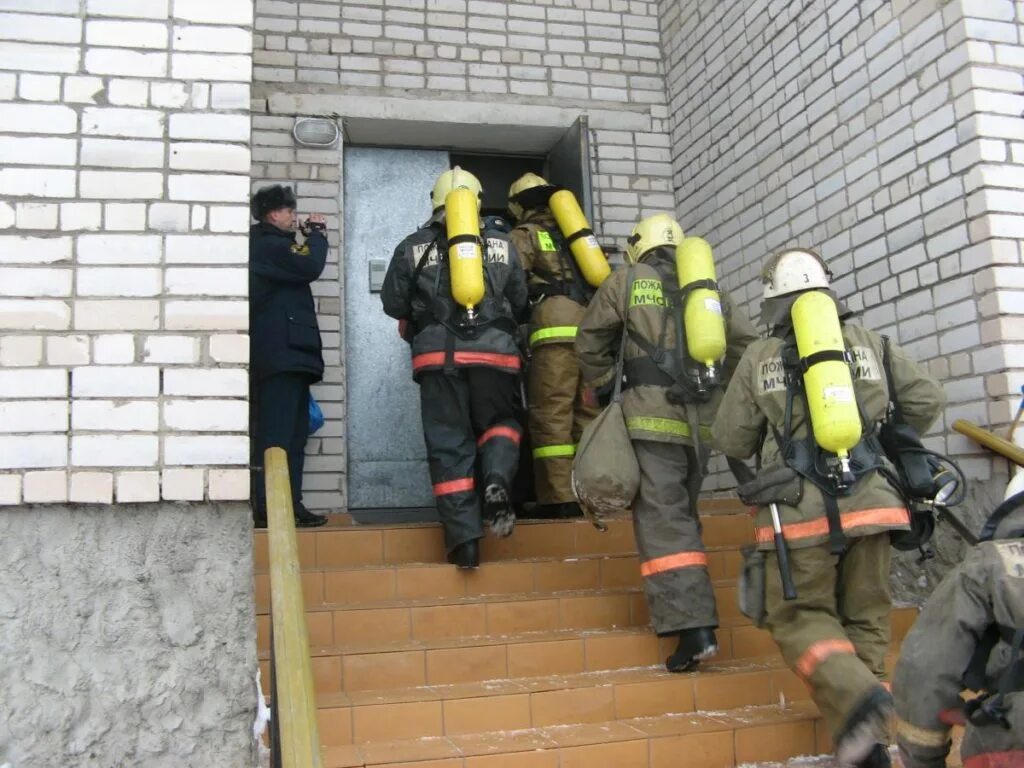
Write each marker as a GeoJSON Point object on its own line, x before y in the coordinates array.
{"type": "Point", "coordinates": [835, 418]}
{"type": "Point", "coordinates": [702, 315]}
{"type": "Point", "coordinates": [577, 233]}
{"type": "Point", "coordinates": [465, 253]}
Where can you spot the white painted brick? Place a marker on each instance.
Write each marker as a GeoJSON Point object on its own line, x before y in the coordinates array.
{"type": "Point", "coordinates": [37, 118]}
{"type": "Point", "coordinates": [92, 487]}
{"type": "Point", "coordinates": [210, 127]}
{"type": "Point", "coordinates": [222, 12]}
{"type": "Point", "coordinates": [81, 215]}
{"type": "Point", "coordinates": [213, 39]}
{"type": "Point", "coordinates": [170, 95]}
{"type": "Point", "coordinates": [6, 215]}
{"type": "Point", "coordinates": [114, 450]}
{"type": "Point", "coordinates": [229, 219]}
{"type": "Point", "coordinates": [18, 150]}
{"type": "Point", "coordinates": [10, 490]}
{"type": "Point", "coordinates": [206, 249]}
{"type": "Point", "coordinates": [173, 349]}
{"type": "Point", "coordinates": [118, 249]}
{"type": "Point", "coordinates": [114, 349]}
{"type": "Point", "coordinates": [128, 34]}
{"type": "Point", "coordinates": [34, 281]}
{"type": "Point", "coordinates": [125, 217]}
{"type": "Point", "coordinates": [198, 221]}
{"type": "Point", "coordinates": [207, 281]}
{"type": "Point", "coordinates": [229, 484]}
{"type": "Point", "coordinates": [67, 350]}
{"type": "Point", "coordinates": [131, 9]}
{"type": "Point", "coordinates": [82, 89]}
{"type": "Point", "coordinates": [115, 381]}
{"type": "Point", "coordinates": [183, 484]}
{"type": "Point", "coordinates": [208, 187]}
{"type": "Point", "coordinates": [224, 96]}
{"type": "Point", "coordinates": [32, 416]}
{"type": "Point", "coordinates": [206, 315]}
{"type": "Point", "coordinates": [229, 348]}
{"type": "Point", "coordinates": [206, 450]}
{"type": "Point", "coordinates": [111, 416]}
{"type": "Point", "coordinates": [33, 451]}
{"type": "Point", "coordinates": [36, 216]}
{"type": "Point", "coordinates": [137, 486]}
{"type": "Point", "coordinates": [121, 185]}
{"type": "Point", "coordinates": [46, 487]}
{"type": "Point", "coordinates": [36, 182]}
{"type": "Point", "coordinates": [206, 415]}
{"type": "Point", "coordinates": [116, 153]}
{"type": "Point", "coordinates": [113, 61]}
{"type": "Point", "coordinates": [38, 87]}
{"type": "Point", "coordinates": [117, 314]}
{"type": "Point", "coordinates": [31, 28]}
{"type": "Point", "coordinates": [34, 315]}
{"type": "Point", "coordinates": [169, 217]}
{"type": "Point", "coordinates": [116, 121]}
{"type": "Point", "coordinates": [210, 382]}
{"type": "Point", "coordinates": [198, 156]}
{"type": "Point", "coordinates": [198, 66]}
{"type": "Point", "coordinates": [21, 351]}
{"type": "Point", "coordinates": [35, 57]}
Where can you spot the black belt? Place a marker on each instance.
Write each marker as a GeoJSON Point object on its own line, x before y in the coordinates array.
{"type": "Point", "coordinates": [642, 371]}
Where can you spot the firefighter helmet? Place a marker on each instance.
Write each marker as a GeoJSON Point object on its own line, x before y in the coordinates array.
{"type": "Point", "coordinates": [655, 231]}
{"type": "Point", "coordinates": [794, 270]}
{"type": "Point", "coordinates": [454, 179]}
{"type": "Point", "coordinates": [527, 192]}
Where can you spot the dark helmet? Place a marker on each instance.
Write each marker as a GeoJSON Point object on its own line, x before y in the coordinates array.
{"type": "Point", "coordinates": [271, 198]}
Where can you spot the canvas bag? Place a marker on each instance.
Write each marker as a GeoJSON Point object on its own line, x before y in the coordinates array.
{"type": "Point", "coordinates": [605, 473]}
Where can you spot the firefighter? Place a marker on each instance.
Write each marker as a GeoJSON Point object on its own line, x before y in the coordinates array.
{"type": "Point", "coordinates": [663, 407]}
{"type": "Point", "coordinates": [968, 637]}
{"type": "Point", "coordinates": [837, 514]}
{"type": "Point", "coordinates": [559, 406]}
{"type": "Point", "coordinates": [466, 362]}
{"type": "Point", "coordinates": [284, 337]}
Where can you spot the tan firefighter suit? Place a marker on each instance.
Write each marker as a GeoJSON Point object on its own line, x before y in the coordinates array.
{"type": "Point", "coordinates": [673, 562]}
{"type": "Point", "coordinates": [557, 411]}
{"type": "Point", "coordinates": [836, 632]}
{"type": "Point", "coordinates": [968, 620]}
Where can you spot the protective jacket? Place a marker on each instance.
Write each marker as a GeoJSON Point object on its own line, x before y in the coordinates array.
{"type": "Point", "coordinates": [283, 331]}
{"type": "Point", "coordinates": [980, 604]}
{"type": "Point", "coordinates": [755, 405]}
{"type": "Point", "coordinates": [417, 289]}
{"type": "Point", "coordinates": [651, 319]}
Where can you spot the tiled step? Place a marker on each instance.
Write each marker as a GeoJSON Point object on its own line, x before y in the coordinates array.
{"type": "Point", "coordinates": [544, 576]}
{"type": "Point", "coordinates": [353, 545]}
{"type": "Point", "coordinates": [444, 661]}
{"type": "Point", "coordinates": [697, 740]}
{"type": "Point", "coordinates": [589, 697]}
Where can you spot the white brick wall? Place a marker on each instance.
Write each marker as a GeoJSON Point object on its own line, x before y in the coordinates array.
{"type": "Point", "coordinates": [114, 162]}
{"type": "Point", "coordinates": [882, 133]}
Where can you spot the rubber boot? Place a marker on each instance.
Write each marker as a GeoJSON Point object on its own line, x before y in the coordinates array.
{"type": "Point", "coordinates": [466, 555]}
{"type": "Point", "coordinates": [866, 727]}
{"type": "Point", "coordinates": [695, 645]}
{"type": "Point", "coordinates": [306, 519]}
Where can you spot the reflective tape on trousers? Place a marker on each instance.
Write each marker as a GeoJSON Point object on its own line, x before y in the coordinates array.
{"type": "Point", "coordinates": [560, 332]}
{"type": "Point", "coordinates": [665, 426]}
{"type": "Point", "coordinates": [554, 451]}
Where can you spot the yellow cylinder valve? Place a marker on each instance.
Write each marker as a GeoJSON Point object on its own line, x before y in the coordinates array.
{"type": "Point", "coordinates": [465, 253]}
{"type": "Point", "coordinates": [577, 233]}
{"type": "Point", "coordinates": [702, 314]}
{"type": "Point", "coordinates": [835, 418]}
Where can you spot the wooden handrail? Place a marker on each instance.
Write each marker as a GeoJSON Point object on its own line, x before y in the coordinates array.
{"type": "Point", "coordinates": [293, 703]}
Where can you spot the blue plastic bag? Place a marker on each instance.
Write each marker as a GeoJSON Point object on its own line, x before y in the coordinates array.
{"type": "Point", "coordinates": [316, 416]}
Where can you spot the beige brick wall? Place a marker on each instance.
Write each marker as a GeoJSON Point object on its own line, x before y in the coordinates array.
{"type": "Point", "coordinates": [887, 135]}
{"type": "Point", "coordinates": [124, 162]}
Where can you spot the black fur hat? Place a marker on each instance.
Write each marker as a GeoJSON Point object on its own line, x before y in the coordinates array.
{"type": "Point", "coordinates": [271, 198]}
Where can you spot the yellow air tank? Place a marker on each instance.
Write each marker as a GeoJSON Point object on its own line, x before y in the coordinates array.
{"type": "Point", "coordinates": [835, 419]}
{"type": "Point", "coordinates": [702, 315]}
{"type": "Point", "coordinates": [465, 255]}
{"type": "Point", "coordinates": [580, 238]}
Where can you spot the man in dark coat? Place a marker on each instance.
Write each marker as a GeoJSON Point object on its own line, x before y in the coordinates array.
{"type": "Point", "coordinates": [284, 338]}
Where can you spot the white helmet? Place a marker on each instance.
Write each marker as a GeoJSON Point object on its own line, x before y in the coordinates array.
{"type": "Point", "coordinates": [454, 179]}
{"type": "Point", "coordinates": [794, 270]}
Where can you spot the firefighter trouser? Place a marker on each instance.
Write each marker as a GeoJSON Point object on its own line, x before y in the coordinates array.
{"type": "Point", "coordinates": [471, 428]}
{"type": "Point", "coordinates": [557, 417]}
{"type": "Point", "coordinates": [672, 558]}
{"type": "Point", "coordinates": [835, 634]}
{"type": "Point", "coordinates": [282, 422]}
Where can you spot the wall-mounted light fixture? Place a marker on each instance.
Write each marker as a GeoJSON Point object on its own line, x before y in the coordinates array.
{"type": "Point", "coordinates": [315, 131]}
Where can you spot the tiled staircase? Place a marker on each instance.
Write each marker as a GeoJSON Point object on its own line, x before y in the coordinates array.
{"type": "Point", "coordinates": [540, 659]}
